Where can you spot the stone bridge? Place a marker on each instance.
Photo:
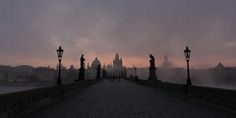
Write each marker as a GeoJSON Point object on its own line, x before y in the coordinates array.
{"type": "Point", "coordinates": [120, 99]}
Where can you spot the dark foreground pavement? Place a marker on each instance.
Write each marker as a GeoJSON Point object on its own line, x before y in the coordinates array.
{"type": "Point", "coordinates": [123, 99]}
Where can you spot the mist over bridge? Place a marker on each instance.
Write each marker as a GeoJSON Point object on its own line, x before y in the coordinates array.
{"type": "Point", "coordinates": [117, 96]}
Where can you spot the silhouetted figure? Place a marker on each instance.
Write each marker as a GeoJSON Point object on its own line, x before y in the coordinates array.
{"type": "Point", "coordinates": [98, 72]}
{"type": "Point", "coordinates": [152, 69]}
{"type": "Point", "coordinates": [125, 73]}
{"type": "Point", "coordinates": [135, 74]}
{"type": "Point", "coordinates": [104, 73]}
{"type": "Point", "coordinates": [82, 69]}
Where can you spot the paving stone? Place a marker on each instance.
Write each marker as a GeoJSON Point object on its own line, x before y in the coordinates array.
{"type": "Point", "coordinates": [123, 99]}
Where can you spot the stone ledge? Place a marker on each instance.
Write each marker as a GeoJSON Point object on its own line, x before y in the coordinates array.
{"type": "Point", "coordinates": [223, 98]}
{"type": "Point", "coordinates": [19, 103]}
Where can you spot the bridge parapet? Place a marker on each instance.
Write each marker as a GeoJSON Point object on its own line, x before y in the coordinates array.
{"type": "Point", "coordinates": [20, 103]}
{"type": "Point", "coordinates": [215, 96]}
{"type": "Point", "coordinates": [222, 98]}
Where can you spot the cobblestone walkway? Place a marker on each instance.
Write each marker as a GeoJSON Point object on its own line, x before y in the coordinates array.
{"type": "Point", "coordinates": [123, 99]}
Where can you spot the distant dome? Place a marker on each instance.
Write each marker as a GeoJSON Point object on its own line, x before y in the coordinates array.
{"type": "Point", "coordinates": [95, 63]}
{"type": "Point", "coordinates": [220, 65]}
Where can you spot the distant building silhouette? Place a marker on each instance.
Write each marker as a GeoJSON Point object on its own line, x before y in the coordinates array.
{"type": "Point", "coordinates": [45, 73]}
{"type": "Point", "coordinates": [24, 71]}
{"type": "Point", "coordinates": [109, 71]}
{"type": "Point", "coordinates": [164, 72]}
{"type": "Point", "coordinates": [115, 70]}
{"type": "Point", "coordinates": [91, 72]}
{"type": "Point", "coordinates": [117, 66]}
{"type": "Point", "coordinates": [219, 66]}
{"type": "Point", "coordinates": [72, 73]}
{"type": "Point", "coordinates": [166, 64]}
{"type": "Point", "coordinates": [88, 66]}
{"type": "Point", "coordinates": [7, 74]}
{"type": "Point", "coordinates": [219, 71]}
{"type": "Point", "coordinates": [95, 63]}
{"type": "Point", "coordinates": [63, 72]}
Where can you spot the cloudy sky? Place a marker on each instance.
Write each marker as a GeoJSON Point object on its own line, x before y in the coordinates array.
{"type": "Point", "coordinates": [31, 31]}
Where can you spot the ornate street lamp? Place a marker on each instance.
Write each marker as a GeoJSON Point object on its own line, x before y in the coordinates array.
{"type": "Point", "coordinates": [187, 56]}
{"type": "Point", "coordinates": [59, 54]}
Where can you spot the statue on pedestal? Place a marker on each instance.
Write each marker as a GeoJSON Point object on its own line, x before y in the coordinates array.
{"type": "Point", "coordinates": [152, 69]}
{"type": "Point", "coordinates": [82, 68]}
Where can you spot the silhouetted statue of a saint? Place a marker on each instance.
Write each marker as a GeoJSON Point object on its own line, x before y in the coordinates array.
{"type": "Point", "coordinates": [152, 61]}
{"type": "Point", "coordinates": [82, 69]}
{"type": "Point", "coordinates": [82, 59]}
{"type": "Point", "coordinates": [152, 68]}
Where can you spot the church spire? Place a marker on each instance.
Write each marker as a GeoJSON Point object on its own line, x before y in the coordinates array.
{"type": "Point", "coordinates": [117, 57]}
{"type": "Point", "coordinates": [166, 63]}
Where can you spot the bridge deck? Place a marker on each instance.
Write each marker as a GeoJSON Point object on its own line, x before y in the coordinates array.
{"type": "Point", "coordinates": [123, 99]}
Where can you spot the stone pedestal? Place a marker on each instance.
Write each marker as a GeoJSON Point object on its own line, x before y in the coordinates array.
{"type": "Point", "coordinates": [152, 74]}
{"type": "Point", "coordinates": [81, 74]}
{"type": "Point", "coordinates": [82, 69]}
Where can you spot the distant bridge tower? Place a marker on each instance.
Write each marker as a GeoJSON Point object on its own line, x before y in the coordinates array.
{"type": "Point", "coordinates": [117, 66]}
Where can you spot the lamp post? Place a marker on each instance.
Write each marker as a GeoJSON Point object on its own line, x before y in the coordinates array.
{"type": "Point", "coordinates": [59, 54]}
{"type": "Point", "coordinates": [135, 71]}
{"type": "Point", "coordinates": [135, 74]}
{"type": "Point", "coordinates": [187, 56]}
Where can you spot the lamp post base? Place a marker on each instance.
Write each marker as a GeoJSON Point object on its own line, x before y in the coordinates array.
{"type": "Point", "coordinates": [189, 83]}
{"type": "Point", "coordinates": [58, 81]}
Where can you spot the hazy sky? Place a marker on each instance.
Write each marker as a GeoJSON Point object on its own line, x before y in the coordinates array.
{"type": "Point", "coordinates": [32, 30]}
